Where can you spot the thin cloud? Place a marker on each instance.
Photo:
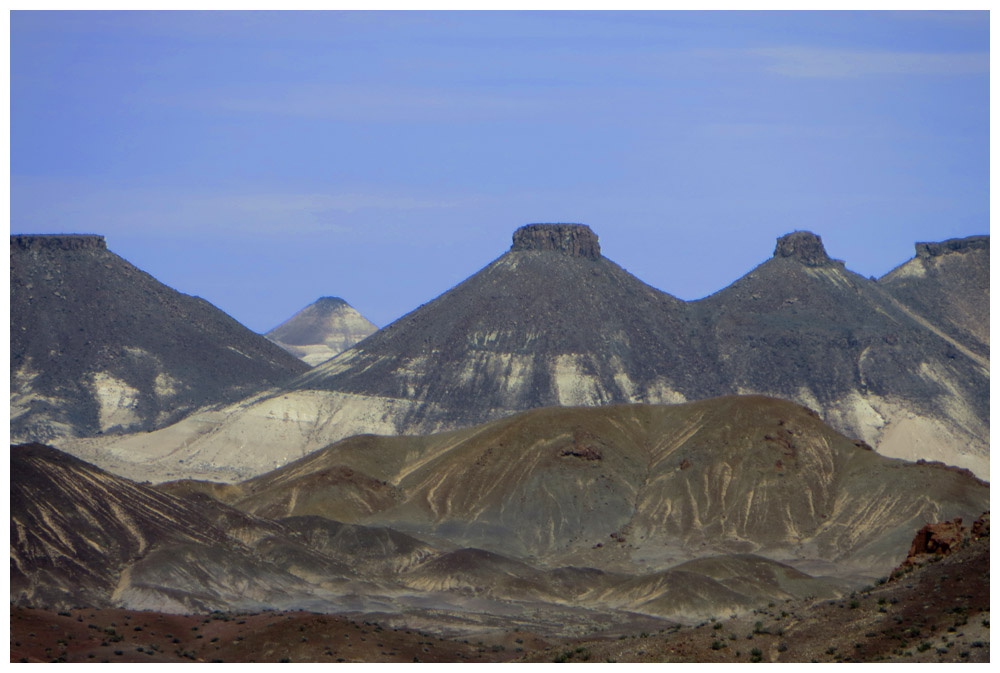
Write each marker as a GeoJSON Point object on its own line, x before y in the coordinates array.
{"type": "Point", "coordinates": [78, 206]}
{"type": "Point", "coordinates": [844, 63]}
{"type": "Point", "coordinates": [363, 103]}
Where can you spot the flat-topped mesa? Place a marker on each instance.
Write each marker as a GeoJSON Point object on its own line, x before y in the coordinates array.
{"type": "Point", "coordinates": [57, 242]}
{"type": "Point", "coordinates": [575, 240]}
{"type": "Point", "coordinates": [805, 247]}
{"type": "Point", "coordinates": [953, 245]}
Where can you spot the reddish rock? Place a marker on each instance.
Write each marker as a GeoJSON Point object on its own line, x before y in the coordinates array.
{"type": "Point", "coordinates": [981, 526]}
{"type": "Point", "coordinates": [936, 539]}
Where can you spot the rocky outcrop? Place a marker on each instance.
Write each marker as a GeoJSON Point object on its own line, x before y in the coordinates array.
{"type": "Point", "coordinates": [937, 539]}
{"type": "Point", "coordinates": [941, 539]}
{"type": "Point", "coordinates": [576, 240]}
{"type": "Point", "coordinates": [981, 526]}
{"type": "Point", "coordinates": [953, 245]}
{"type": "Point", "coordinates": [57, 242]}
{"type": "Point", "coordinates": [805, 247]}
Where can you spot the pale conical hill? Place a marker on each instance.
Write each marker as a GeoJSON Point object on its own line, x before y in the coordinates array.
{"type": "Point", "coordinates": [322, 330]}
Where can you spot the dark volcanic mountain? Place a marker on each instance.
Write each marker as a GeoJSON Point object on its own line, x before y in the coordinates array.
{"type": "Point", "coordinates": [802, 327]}
{"type": "Point", "coordinates": [552, 322]}
{"type": "Point", "coordinates": [326, 327]}
{"type": "Point", "coordinates": [99, 346]}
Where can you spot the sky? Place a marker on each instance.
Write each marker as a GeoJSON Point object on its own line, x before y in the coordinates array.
{"type": "Point", "coordinates": [264, 159]}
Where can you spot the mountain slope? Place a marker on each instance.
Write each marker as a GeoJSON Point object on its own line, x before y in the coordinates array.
{"type": "Point", "coordinates": [948, 285]}
{"type": "Point", "coordinates": [99, 346]}
{"type": "Point", "coordinates": [321, 330]}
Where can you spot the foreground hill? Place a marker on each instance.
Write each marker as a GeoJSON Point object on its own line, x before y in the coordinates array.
{"type": "Point", "coordinates": [321, 330]}
{"type": "Point", "coordinates": [80, 536]}
{"type": "Point", "coordinates": [553, 322]}
{"type": "Point", "coordinates": [99, 346]}
{"type": "Point", "coordinates": [631, 487]}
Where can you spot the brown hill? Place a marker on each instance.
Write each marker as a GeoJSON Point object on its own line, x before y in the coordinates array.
{"type": "Point", "coordinates": [82, 537]}
{"type": "Point", "coordinates": [633, 488]}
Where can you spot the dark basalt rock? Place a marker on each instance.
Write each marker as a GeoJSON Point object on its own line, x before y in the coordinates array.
{"type": "Point", "coordinates": [576, 240]}
{"type": "Point", "coordinates": [57, 242]}
{"type": "Point", "coordinates": [804, 246]}
{"type": "Point", "coordinates": [953, 245]}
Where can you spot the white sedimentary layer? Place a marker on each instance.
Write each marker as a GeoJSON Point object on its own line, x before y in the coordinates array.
{"type": "Point", "coordinates": [116, 401]}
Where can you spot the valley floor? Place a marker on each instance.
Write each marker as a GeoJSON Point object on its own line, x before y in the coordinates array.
{"type": "Point", "coordinates": [936, 613]}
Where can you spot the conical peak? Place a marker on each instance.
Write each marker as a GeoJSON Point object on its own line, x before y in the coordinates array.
{"type": "Point", "coordinates": [575, 240]}
{"type": "Point", "coordinates": [803, 246]}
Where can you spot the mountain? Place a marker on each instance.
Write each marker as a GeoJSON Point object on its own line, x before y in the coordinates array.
{"type": "Point", "coordinates": [553, 322]}
{"type": "Point", "coordinates": [326, 327]}
{"type": "Point", "coordinates": [98, 346]}
{"type": "Point", "coordinates": [803, 327]}
{"type": "Point", "coordinates": [631, 488]}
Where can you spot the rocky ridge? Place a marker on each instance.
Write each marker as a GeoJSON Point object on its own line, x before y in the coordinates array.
{"type": "Point", "coordinates": [553, 322]}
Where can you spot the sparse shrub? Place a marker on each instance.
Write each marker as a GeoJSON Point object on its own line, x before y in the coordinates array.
{"type": "Point", "coordinates": [923, 647]}
{"type": "Point", "coordinates": [717, 644]}
{"type": "Point", "coordinates": [782, 646]}
{"type": "Point", "coordinates": [755, 655]}
{"type": "Point", "coordinates": [718, 625]}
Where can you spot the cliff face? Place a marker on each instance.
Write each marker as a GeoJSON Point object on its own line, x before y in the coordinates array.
{"type": "Point", "coordinates": [575, 240]}
{"type": "Point", "coordinates": [38, 242]}
{"type": "Point", "coordinates": [99, 346]}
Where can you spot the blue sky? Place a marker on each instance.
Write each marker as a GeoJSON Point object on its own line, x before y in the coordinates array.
{"type": "Point", "coordinates": [261, 160]}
